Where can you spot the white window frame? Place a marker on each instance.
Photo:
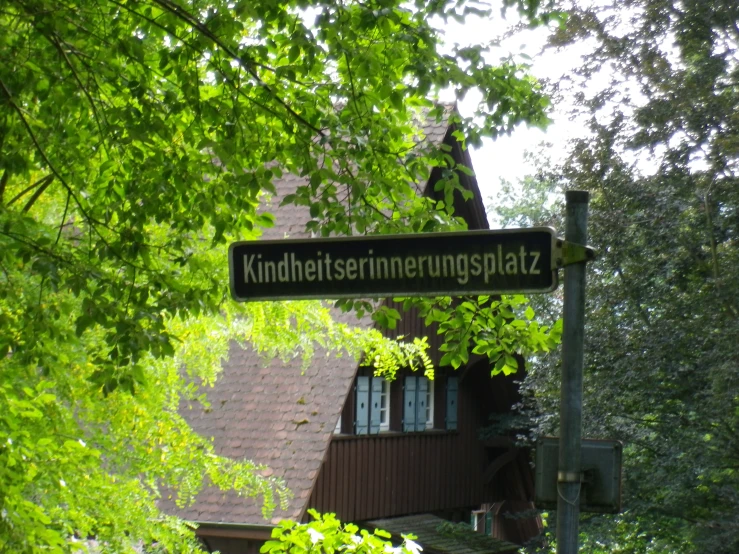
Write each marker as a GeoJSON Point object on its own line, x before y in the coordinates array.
{"type": "Point", "coordinates": [337, 429]}
{"type": "Point", "coordinates": [476, 517]}
{"type": "Point", "coordinates": [385, 406]}
{"type": "Point", "coordinates": [430, 404]}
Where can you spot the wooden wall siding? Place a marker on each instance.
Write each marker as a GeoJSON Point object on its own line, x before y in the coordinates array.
{"type": "Point", "coordinates": [391, 474]}
{"type": "Point", "coordinates": [396, 474]}
{"type": "Point", "coordinates": [383, 476]}
{"type": "Point", "coordinates": [410, 326]}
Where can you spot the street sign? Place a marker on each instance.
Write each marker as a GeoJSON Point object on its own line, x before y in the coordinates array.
{"type": "Point", "coordinates": [432, 264]}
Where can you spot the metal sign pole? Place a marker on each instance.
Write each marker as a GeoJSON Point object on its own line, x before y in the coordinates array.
{"type": "Point", "coordinates": [569, 475]}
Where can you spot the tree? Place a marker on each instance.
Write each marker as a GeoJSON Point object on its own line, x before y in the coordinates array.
{"type": "Point", "coordinates": [660, 160]}
{"type": "Point", "coordinates": [137, 138]}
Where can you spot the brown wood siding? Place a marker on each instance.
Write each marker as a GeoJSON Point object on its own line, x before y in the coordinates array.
{"type": "Point", "coordinates": [410, 326]}
{"type": "Point", "coordinates": [385, 476]}
{"type": "Point", "coordinates": [392, 474]}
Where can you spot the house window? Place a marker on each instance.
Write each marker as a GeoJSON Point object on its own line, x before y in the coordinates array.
{"type": "Point", "coordinates": [418, 404]}
{"type": "Point", "coordinates": [482, 521]}
{"type": "Point", "coordinates": [372, 405]}
{"type": "Point", "coordinates": [337, 429]}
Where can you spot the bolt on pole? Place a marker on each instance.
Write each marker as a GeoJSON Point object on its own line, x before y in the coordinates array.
{"type": "Point", "coordinates": [570, 435]}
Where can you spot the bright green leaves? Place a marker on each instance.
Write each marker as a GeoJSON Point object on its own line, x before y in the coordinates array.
{"type": "Point", "coordinates": [488, 327]}
{"type": "Point", "coordinates": [137, 139]}
{"type": "Point", "coordinates": [33, 457]}
{"type": "Point", "coordinates": [327, 534]}
{"type": "Point", "coordinates": [294, 53]}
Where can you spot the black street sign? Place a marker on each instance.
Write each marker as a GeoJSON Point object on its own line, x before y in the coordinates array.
{"type": "Point", "coordinates": [433, 264]}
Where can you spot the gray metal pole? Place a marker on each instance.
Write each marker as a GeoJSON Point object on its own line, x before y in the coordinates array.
{"type": "Point", "coordinates": [570, 434]}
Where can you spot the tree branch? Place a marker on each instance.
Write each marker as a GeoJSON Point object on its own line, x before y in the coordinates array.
{"type": "Point", "coordinates": [246, 65]}
{"type": "Point", "coordinates": [55, 42]}
{"type": "Point", "coordinates": [92, 221]}
{"type": "Point", "coordinates": [64, 216]}
{"type": "Point", "coordinates": [41, 182]}
{"type": "Point", "coordinates": [37, 194]}
{"type": "Point", "coordinates": [3, 183]}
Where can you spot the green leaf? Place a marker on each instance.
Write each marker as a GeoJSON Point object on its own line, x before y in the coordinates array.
{"type": "Point", "coordinates": [266, 220]}
{"type": "Point", "coordinates": [529, 313]}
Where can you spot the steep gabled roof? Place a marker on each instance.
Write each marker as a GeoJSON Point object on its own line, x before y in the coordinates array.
{"type": "Point", "coordinates": [271, 413]}
{"type": "Point", "coordinates": [274, 415]}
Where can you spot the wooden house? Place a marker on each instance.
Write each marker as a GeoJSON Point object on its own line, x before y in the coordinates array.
{"type": "Point", "coordinates": [376, 453]}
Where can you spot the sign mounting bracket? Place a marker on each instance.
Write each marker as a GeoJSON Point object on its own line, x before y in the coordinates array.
{"type": "Point", "coordinates": [567, 253]}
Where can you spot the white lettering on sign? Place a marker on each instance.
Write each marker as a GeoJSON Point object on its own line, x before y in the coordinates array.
{"type": "Point", "coordinates": [324, 268]}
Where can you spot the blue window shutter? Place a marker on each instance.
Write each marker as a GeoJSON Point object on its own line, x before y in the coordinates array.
{"type": "Point", "coordinates": [375, 405]}
{"type": "Point", "coordinates": [452, 386]}
{"type": "Point", "coordinates": [423, 388]}
{"type": "Point", "coordinates": [362, 422]}
{"type": "Point", "coordinates": [409, 404]}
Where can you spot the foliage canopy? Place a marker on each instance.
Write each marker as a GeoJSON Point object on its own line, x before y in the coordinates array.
{"type": "Point", "coordinates": [138, 137]}
{"type": "Point", "coordinates": [660, 158]}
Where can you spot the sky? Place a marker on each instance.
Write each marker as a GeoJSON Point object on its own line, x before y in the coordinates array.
{"type": "Point", "coordinates": [503, 158]}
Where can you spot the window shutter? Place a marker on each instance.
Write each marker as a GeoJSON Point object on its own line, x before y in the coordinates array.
{"type": "Point", "coordinates": [362, 422]}
{"type": "Point", "coordinates": [488, 523]}
{"type": "Point", "coordinates": [409, 404]}
{"type": "Point", "coordinates": [423, 388]}
{"type": "Point", "coordinates": [452, 387]}
{"type": "Point", "coordinates": [375, 405]}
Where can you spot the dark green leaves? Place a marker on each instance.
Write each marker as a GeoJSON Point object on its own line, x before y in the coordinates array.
{"type": "Point", "coordinates": [662, 315]}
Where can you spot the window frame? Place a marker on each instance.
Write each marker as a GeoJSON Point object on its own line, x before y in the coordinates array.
{"type": "Point", "coordinates": [418, 404]}
{"type": "Point", "coordinates": [430, 404]}
{"type": "Point", "coordinates": [372, 405]}
{"type": "Point", "coordinates": [384, 410]}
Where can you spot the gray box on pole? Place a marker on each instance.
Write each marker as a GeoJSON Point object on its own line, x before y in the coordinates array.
{"type": "Point", "coordinates": [600, 463]}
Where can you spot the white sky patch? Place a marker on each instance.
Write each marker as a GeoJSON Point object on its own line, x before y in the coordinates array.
{"type": "Point", "coordinates": [509, 157]}
{"type": "Point", "coordinates": [505, 157]}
